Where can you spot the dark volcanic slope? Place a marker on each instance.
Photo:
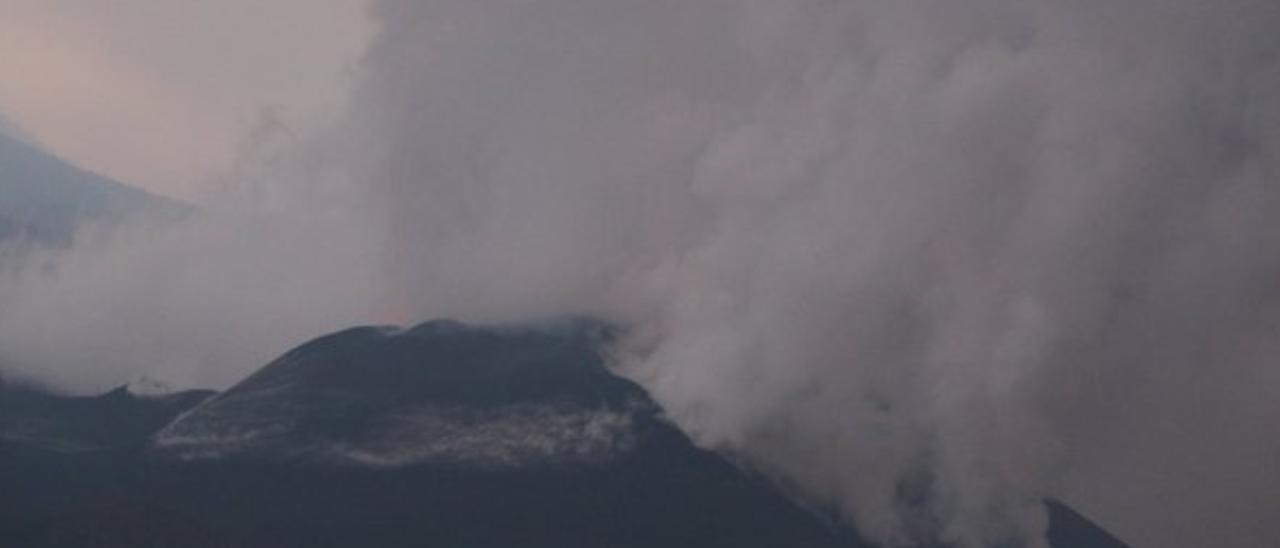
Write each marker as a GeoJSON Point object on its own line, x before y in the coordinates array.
{"type": "Point", "coordinates": [442, 391]}
{"type": "Point", "coordinates": [441, 435]}
{"type": "Point", "coordinates": [118, 419]}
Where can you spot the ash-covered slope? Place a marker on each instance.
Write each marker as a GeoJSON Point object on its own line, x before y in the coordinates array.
{"type": "Point", "coordinates": [441, 435]}
{"type": "Point", "coordinates": [442, 391]}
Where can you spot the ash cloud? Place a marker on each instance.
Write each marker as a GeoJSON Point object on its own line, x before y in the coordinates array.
{"type": "Point", "coordinates": [926, 261]}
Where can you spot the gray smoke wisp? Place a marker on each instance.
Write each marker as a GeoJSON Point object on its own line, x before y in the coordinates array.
{"type": "Point", "coordinates": [928, 262]}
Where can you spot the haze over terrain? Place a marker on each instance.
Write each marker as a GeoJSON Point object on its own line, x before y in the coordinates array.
{"type": "Point", "coordinates": [929, 262]}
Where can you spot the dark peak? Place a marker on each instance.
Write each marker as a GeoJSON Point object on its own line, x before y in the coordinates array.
{"type": "Point", "coordinates": [1068, 528]}
{"type": "Point", "coordinates": [450, 361]}
{"type": "Point", "coordinates": [444, 387]}
{"type": "Point", "coordinates": [119, 393]}
{"type": "Point", "coordinates": [568, 327]}
{"type": "Point", "coordinates": [337, 340]}
{"type": "Point", "coordinates": [440, 327]}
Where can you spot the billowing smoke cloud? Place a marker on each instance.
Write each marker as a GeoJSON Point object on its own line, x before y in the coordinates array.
{"type": "Point", "coordinates": [926, 261]}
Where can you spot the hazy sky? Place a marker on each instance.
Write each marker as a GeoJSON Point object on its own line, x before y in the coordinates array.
{"type": "Point", "coordinates": [160, 93]}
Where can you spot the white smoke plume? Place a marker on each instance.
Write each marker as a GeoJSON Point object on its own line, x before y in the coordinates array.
{"type": "Point", "coordinates": [927, 261]}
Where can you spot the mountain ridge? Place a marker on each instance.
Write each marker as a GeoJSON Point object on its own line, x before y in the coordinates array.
{"type": "Point", "coordinates": [47, 198]}
{"type": "Point", "coordinates": [442, 445]}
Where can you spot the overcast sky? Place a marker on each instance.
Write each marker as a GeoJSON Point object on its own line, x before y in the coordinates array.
{"type": "Point", "coordinates": [159, 94]}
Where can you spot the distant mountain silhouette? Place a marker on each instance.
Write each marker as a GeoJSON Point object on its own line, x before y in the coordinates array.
{"type": "Point", "coordinates": [444, 435]}
{"type": "Point", "coordinates": [44, 199]}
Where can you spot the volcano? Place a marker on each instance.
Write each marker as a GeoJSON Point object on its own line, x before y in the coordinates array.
{"type": "Point", "coordinates": [445, 434]}
{"type": "Point", "coordinates": [440, 392]}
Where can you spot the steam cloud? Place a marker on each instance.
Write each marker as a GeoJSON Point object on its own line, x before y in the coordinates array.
{"type": "Point", "coordinates": [927, 261]}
